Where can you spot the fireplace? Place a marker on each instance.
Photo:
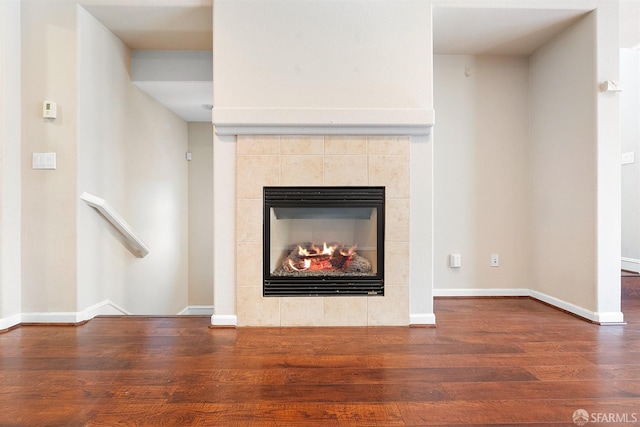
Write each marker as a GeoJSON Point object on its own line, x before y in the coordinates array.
{"type": "Point", "coordinates": [323, 241]}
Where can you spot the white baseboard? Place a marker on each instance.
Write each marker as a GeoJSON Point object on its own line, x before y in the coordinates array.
{"type": "Point", "coordinates": [630, 264]}
{"type": "Point", "coordinates": [515, 292]}
{"type": "Point", "coordinates": [611, 318]}
{"type": "Point", "coordinates": [10, 322]}
{"type": "Point", "coordinates": [71, 317]}
{"type": "Point", "coordinates": [197, 310]}
{"type": "Point", "coordinates": [602, 318]}
{"type": "Point", "coordinates": [224, 320]}
{"type": "Point", "coordinates": [105, 307]}
{"type": "Point", "coordinates": [422, 319]}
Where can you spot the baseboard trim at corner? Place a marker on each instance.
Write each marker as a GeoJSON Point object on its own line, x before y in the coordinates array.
{"type": "Point", "coordinates": [104, 308]}
{"type": "Point", "coordinates": [422, 320]}
{"type": "Point", "coordinates": [10, 322]}
{"type": "Point", "coordinates": [224, 321]}
{"type": "Point", "coordinates": [197, 310]}
{"type": "Point", "coordinates": [630, 264]}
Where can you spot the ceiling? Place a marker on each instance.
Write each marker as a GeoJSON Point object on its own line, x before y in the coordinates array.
{"type": "Point", "coordinates": [164, 25]}
{"type": "Point", "coordinates": [485, 31]}
{"type": "Point", "coordinates": [187, 25]}
{"type": "Point", "coordinates": [158, 25]}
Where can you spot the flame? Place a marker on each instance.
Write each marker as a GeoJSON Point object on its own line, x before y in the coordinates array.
{"type": "Point", "coordinates": [315, 251]}
{"type": "Point", "coordinates": [302, 251]}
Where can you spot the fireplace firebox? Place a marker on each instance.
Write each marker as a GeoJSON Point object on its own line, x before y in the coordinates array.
{"type": "Point", "coordinates": [323, 241]}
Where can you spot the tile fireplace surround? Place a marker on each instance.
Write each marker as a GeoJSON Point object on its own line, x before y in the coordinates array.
{"type": "Point", "coordinates": [246, 162]}
{"type": "Point", "coordinates": [321, 161]}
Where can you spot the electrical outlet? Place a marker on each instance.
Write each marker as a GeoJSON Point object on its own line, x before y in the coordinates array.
{"type": "Point", "coordinates": [495, 260]}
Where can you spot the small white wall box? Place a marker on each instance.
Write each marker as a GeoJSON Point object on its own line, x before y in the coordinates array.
{"type": "Point", "coordinates": [455, 261]}
{"type": "Point", "coordinates": [49, 110]}
{"type": "Point", "coordinates": [610, 86]}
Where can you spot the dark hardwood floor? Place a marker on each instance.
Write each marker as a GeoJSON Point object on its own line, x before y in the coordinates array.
{"type": "Point", "coordinates": [489, 362]}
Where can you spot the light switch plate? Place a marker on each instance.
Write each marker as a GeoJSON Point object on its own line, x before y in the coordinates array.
{"type": "Point", "coordinates": [44, 161]}
{"type": "Point", "coordinates": [455, 261]}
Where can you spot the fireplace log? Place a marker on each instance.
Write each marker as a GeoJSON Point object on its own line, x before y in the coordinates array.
{"type": "Point", "coordinates": [307, 259]}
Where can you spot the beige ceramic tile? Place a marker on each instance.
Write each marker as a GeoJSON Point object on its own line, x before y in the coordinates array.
{"type": "Point", "coordinates": [249, 220]}
{"type": "Point", "coordinates": [255, 310]}
{"type": "Point", "coordinates": [255, 172]}
{"type": "Point", "coordinates": [345, 170]}
{"type": "Point", "coordinates": [338, 144]}
{"type": "Point", "coordinates": [309, 144]}
{"type": "Point", "coordinates": [388, 145]}
{"type": "Point", "coordinates": [396, 262]}
{"type": "Point", "coordinates": [258, 145]}
{"type": "Point", "coordinates": [249, 264]}
{"type": "Point", "coordinates": [397, 220]}
{"type": "Point", "coordinates": [345, 311]}
{"type": "Point", "coordinates": [302, 170]}
{"type": "Point", "coordinates": [302, 311]}
{"type": "Point", "coordinates": [390, 310]}
{"type": "Point", "coordinates": [392, 172]}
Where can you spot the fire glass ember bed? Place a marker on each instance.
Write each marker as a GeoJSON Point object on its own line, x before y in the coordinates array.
{"type": "Point", "coordinates": [323, 241]}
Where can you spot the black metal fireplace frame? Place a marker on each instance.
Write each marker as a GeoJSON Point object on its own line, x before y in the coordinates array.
{"type": "Point", "coordinates": [323, 197]}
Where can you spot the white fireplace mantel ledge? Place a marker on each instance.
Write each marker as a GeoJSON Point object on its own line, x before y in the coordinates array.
{"type": "Point", "coordinates": [322, 121]}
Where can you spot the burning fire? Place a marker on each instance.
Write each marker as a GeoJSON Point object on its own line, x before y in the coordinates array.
{"type": "Point", "coordinates": [331, 257]}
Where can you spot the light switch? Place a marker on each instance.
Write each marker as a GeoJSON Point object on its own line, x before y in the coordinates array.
{"type": "Point", "coordinates": [455, 261]}
{"type": "Point", "coordinates": [44, 161]}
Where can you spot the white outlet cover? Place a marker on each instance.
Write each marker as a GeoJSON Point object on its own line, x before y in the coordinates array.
{"type": "Point", "coordinates": [628, 158]}
{"type": "Point", "coordinates": [495, 260]}
{"type": "Point", "coordinates": [46, 161]}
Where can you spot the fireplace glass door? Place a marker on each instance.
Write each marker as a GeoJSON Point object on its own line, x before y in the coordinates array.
{"type": "Point", "coordinates": [321, 241]}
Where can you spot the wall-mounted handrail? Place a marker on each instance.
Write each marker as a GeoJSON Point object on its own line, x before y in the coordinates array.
{"type": "Point", "coordinates": [133, 242]}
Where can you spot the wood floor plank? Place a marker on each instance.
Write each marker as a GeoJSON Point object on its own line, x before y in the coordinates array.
{"type": "Point", "coordinates": [593, 372]}
{"type": "Point", "coordinates": [532, 390]}
{"type": "Point", "coordinates": [244, 414]}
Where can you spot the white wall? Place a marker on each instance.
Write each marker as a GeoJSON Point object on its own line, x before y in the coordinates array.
{"type": "Point", "coordinates": [48, 65]}
{"type": "Point", "coordinates": [629, 14]}
{"type": "Point", "coordinates": [10, 163]}
{"type": "Point", "coordinates": [131, 153]}
{"type": "Point", "coordinates": [481, 173]}
{"type": "Point", "coordinates": [630, 141]}
{"type": "Point", "coordinates": [201, 214]}
{"type": "Point", "coordinates": [563, 141]}
{"type": "Point", "coordinates": [322, 62]}
{"type": "Point", "coordinates": [575, 168]}
{"type": "Point", "coordinates": [630, 132]}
